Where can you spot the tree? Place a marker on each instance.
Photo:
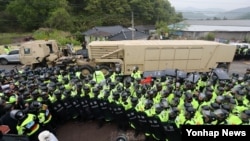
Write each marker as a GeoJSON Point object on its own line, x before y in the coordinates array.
{"type": "Point", "coordinates": [60, 19]}
{"type": "Point", "coordinates": [162, 28]}
{"type": "Point", "coordinates": [31, 14]}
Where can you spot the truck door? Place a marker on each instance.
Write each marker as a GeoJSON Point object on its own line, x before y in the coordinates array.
{"type": "Point", "coordinates": [26, 55]}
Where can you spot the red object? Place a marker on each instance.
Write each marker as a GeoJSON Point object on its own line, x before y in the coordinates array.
{"type": "Point", "coordinates": [147, 80]}
{"type": "Point", "coordinates": [4, 129]}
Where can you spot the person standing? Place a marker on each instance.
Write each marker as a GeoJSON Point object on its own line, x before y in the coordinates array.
{"type": "Point", "coordinates": [6, 49]}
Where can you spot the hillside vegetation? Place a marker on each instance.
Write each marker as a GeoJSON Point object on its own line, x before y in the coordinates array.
{"type": "Point", "coordinates": [79, 15]}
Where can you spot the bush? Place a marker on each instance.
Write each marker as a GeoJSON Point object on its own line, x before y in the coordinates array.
{"type": "Point", "coordinates": [60, 36]}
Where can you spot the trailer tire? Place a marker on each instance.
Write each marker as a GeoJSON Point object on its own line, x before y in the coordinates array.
{"type": "Point", "coordinates": [86, 70]}
{"type": "Point", "coordinates": [105, 70]}
{"type": "Point", "coordinates": [223, 66]}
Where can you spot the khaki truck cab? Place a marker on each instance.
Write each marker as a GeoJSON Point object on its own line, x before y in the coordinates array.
{"type": "Point", "coordinates": [39, 52]}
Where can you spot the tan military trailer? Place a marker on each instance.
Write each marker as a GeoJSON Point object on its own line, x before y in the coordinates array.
{"type": "Point", "coordinates": [148, 55]}
{"type": "Point", "coordinates": [155, 55]}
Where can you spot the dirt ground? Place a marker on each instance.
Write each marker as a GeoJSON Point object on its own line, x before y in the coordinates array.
{"type": "Point", "coordinates": [88, 131]}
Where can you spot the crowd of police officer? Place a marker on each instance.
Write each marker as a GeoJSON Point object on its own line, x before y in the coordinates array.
{"type": "Point", "coordinates": [242, 52]}
{"type": "Point", "coordinates": [43, 98]}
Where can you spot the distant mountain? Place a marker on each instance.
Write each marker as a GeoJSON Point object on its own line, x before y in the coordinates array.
{"type": "Point", "coordinates": [241, 13]}
{"type": "Point", "coordinates": [211, 13]}
{"type": "Point", "coordinates": [194, 16]}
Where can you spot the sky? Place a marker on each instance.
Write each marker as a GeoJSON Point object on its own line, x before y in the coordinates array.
{"type": "Point", "coordinates": [204, 4]}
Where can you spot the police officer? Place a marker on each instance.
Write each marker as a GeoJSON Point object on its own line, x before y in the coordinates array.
{"type": "Point", "coordinates": [6, 49]}
{"type": "Point", "coordinates": [27, 124]}
{"type": "Point", "coordinates": [136, 73]}
{"type": "Point", "coordinates": [245, 117]}
{"type": "Point", "coordinates": [98, 75]}
{"type": "Point", "coordinates": [7, 119]}
{"type": "Point", "coordinates": [209, 118]}
{"type": "Point", "coordinates": [43, 114]}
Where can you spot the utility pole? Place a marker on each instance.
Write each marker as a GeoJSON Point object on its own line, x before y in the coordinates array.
{"type": "Point", "coordinates": [133, 27]}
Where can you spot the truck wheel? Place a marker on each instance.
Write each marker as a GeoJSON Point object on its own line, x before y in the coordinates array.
{"type": "Point", "coordinates": [3, 61]}
{"type": "Point", "coordinates": [223, 66]}
{"type": "Point", "coordinates": [86, 70]}
{"type": "Point", "coordinates": [105, 70]}
{"type": "Point", "coordinates": [121, 138]}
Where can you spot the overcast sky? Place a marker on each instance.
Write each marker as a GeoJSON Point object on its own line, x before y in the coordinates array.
{"type": "Point", "coordinates": [204, 4]}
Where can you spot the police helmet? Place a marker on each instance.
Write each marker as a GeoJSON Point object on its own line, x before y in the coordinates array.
{"type": "Point", "coordinates": [106, 93]}
{"type": "Point", "coordinates": [148, 104]}
{"type": "Point", "coordinates": [159, 86]}
{"type": "Point", "coordinates": [205, 107]}
{"type": "Point", "coordinates": [215, 106]}
{"type": "Point", "coordinates": [158, 108]}
{"type": "Point", "coordinates": [17, 114]}
{"type": "Point", "coordinates": [190, 110]}
{"type": "Point", "coordinates": [97, 67]}
{"type": "Point", "coordinates": [67, 92]}
{"type": "Point", "coordinates": [96, 90]}
{"type": "Point", "coordinates": [165, 93]}
{"type": "Point", "coordinates": [164, 104]}
{"type": "Point", "coordinates": [226, 107]}
{"type": "Point", "coordinates": [178, 93]}
{"type": "Point", "coordinates": [124, 95]}
{"type": "Point", "coordinates": [187, 105]}
{"type": "Point", "coordinates": [175, 101]}
{"type": "Point", "coordinates": [188, 96]}
{"type": "Point", "coordinates": [92, 83]}
{"type": "Point", "coordinates": [35, 93]}
{"type": "Point", "coordinates": [138, 93]}
{"type": "Point", "coordinates": [57, 93]}
{"type": "Point", "coordinates": [52, 86]}
{"type": "Point", "coordinates": [117, 70]}
{"type": "Point", "coordinates": [247, 112]}
{"type": "Point", "coordinates": [201, 96]}
{"type": "Point", "coordinates": [86, 89]}
{"type": "Point", "coordinates": [116, 95]}
{"type": "Point", "coordinates": [119, 88]}
{"type": "Point", "coordinates": [112, 85]}
{"type": "Point", "coordinates": [134, 100]}
{"type": "Point", "coordinates": [221, 114]}
{"type": "Point", "coordinates": [21, 89]}
{"type": "Point", "coordinates": [220, 99]}
{"type": "Point", "coordinates": [26, 94]}
{"type": "Point", "coordinates": [62, 88]}
{"type": "Point", "coordinates": [35, 105]}
{"type": "Point", "coordinates": [99, 86]}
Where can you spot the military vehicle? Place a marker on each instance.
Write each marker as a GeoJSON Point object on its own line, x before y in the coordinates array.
{"type": "Point", "coordinates": [148, 55]}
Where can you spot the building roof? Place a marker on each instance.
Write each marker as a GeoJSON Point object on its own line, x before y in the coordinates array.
{"type": "Point", "coordinates": [217, 22]}
{"type": "Point", "coordinates": [127, 35]}
{"type": "Point", "coordinates": [105, 30]}
{"type": "Point", "coordinates": [216, 28]}
{"type": "Point", "coordinates": [213, 25]}
{"type": "Point", "coordinates": [143, 28]}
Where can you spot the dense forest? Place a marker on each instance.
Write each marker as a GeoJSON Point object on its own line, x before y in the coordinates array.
{"type": "Point", "coordinates": [80, 15]}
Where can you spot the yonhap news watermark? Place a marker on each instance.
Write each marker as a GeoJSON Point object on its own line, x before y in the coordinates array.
{"type": "Point", "coordinates": [214, 132]}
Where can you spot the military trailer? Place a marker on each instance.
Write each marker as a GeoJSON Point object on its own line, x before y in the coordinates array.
{"type": "Point", "coordinates": [148, 55]}
{"type": "Point", "coordinates": [155, 55]}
